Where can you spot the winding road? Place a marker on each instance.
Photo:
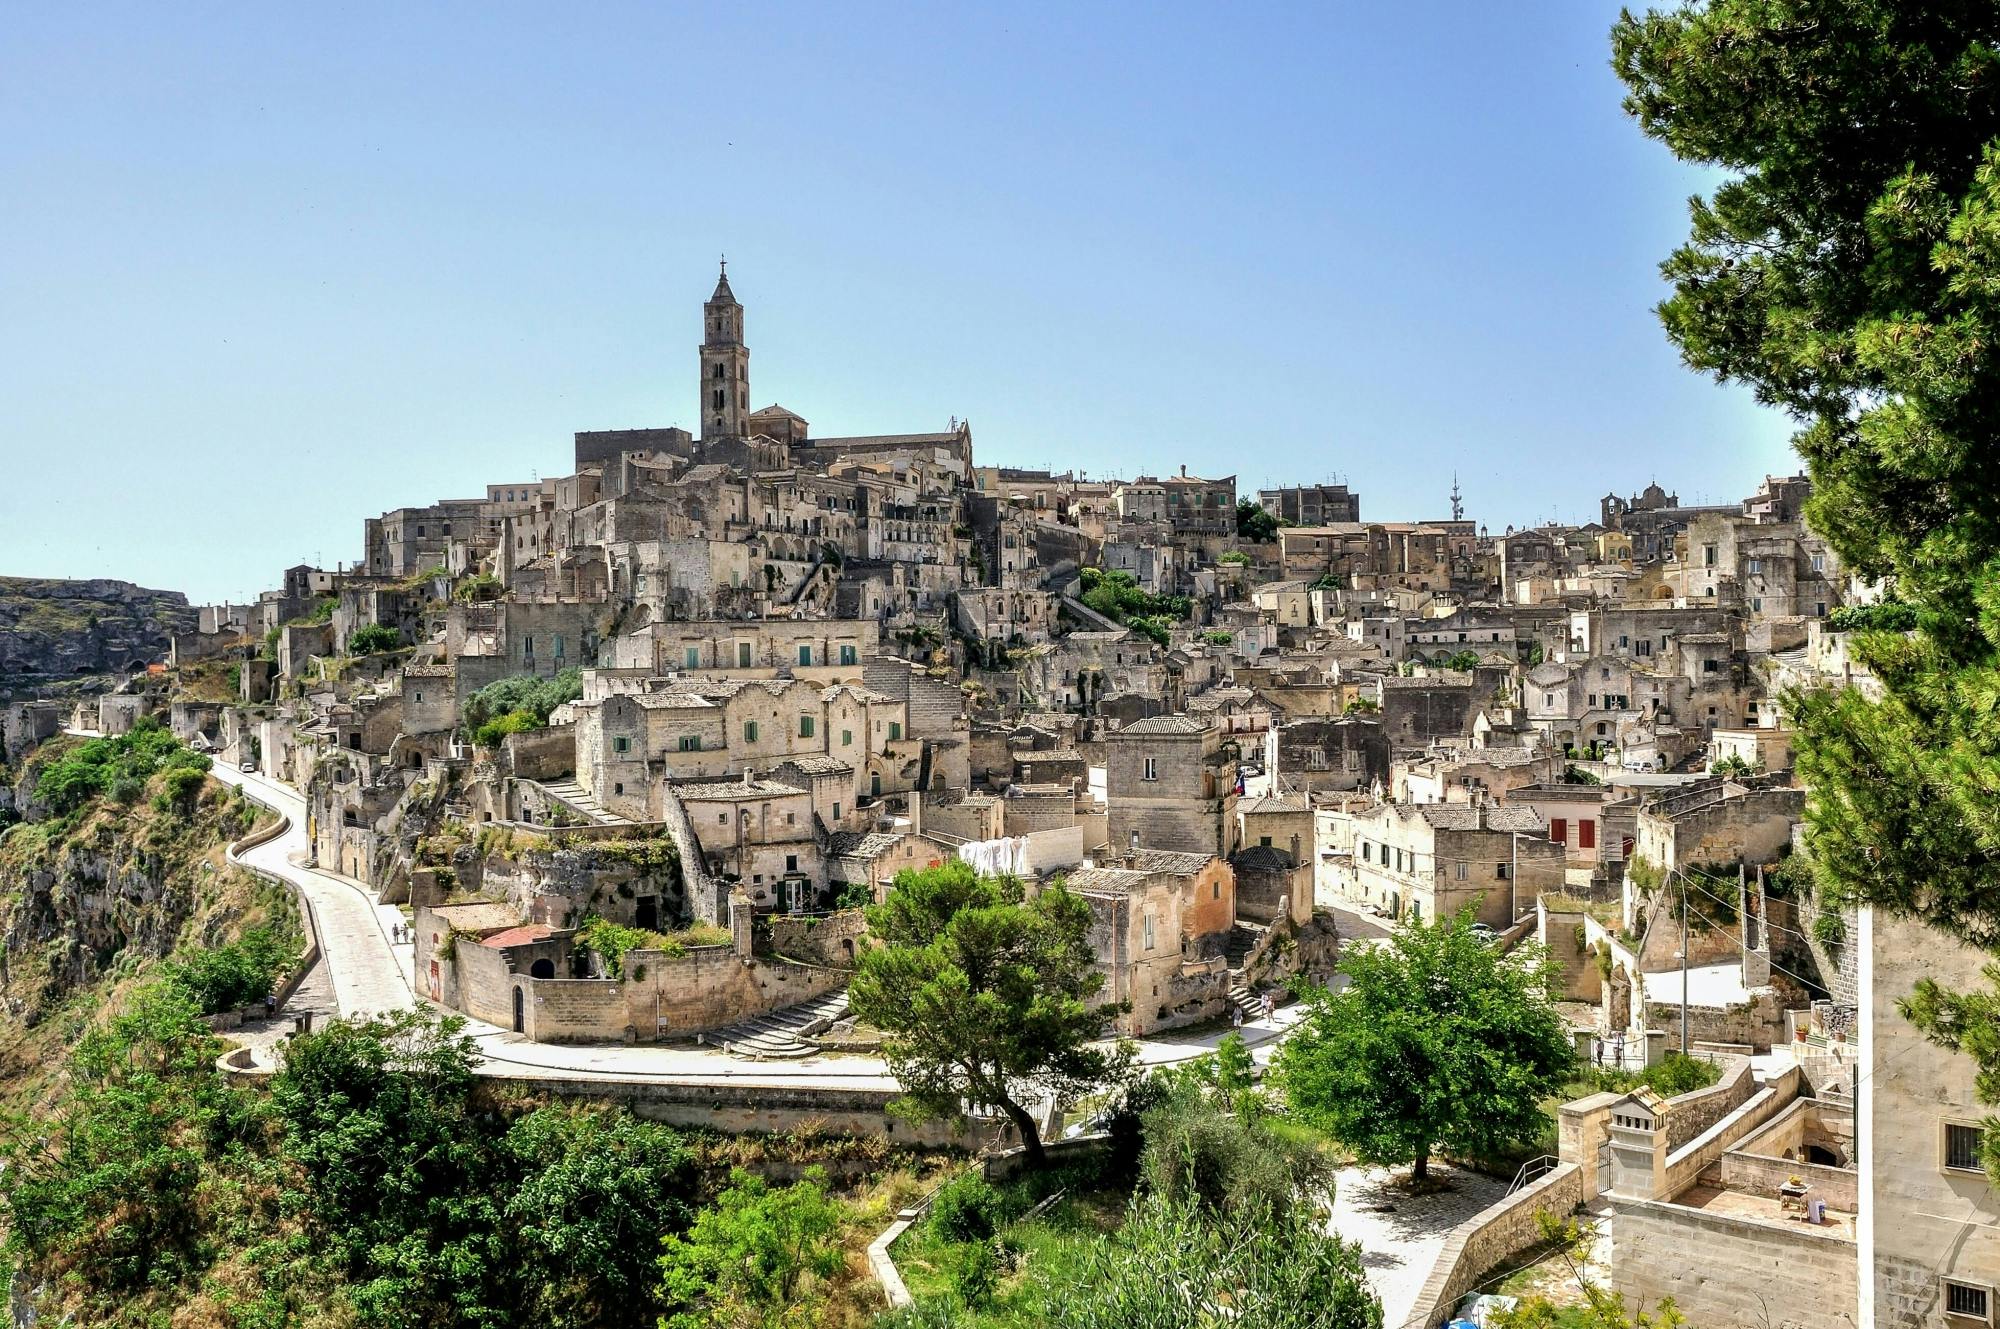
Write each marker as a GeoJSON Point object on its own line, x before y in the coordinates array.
{"type": "Point", "coordinates": [370, 974]}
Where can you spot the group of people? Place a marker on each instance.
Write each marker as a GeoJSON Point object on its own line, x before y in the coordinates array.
{"type": "Point", "coordinates": [1267, 1006]}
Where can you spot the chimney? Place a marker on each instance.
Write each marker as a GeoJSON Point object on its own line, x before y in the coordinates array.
{"type": "Point", "coordinates": [1183, 470]}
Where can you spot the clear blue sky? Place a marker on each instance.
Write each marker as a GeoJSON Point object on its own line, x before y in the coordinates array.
{"type": "Point", "coordinates": [266, 270]}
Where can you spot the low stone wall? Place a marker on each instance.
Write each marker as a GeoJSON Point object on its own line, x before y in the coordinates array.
{"type": "Point", "coordinates": [1686, 1164]}
{"type": "Point", "coordinates": [309, 954]}
{"type": "Point", "coordinates": [1492, 1236]}
{"type": "Point", "coordinates": [1757, 1174]}
{"type": "Point", "coordinates": [1724, 1270]}
{"type": "Point", "coordinates": [735, 1108]}
{"type": "Point", "coordinates": [1692, 1113]}
{"type": "Point", "coordinates": [1757, 1023]}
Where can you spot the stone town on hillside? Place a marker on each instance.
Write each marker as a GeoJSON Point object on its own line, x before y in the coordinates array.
{"type": "Point", "coordinates": [721, 685]}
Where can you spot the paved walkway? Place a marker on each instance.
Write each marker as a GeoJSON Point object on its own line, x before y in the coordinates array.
{"type": "Point", "coordinates": [1402, 1232]}
{"type": "Point", "coordinates": [366, 974]}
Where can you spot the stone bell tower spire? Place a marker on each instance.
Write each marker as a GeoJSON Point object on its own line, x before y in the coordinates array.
{"type": "Point", "coordinates": [725, 365]}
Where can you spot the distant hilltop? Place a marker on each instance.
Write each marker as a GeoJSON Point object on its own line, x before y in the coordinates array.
{"type": "Point", "coordinates": [51, 628]}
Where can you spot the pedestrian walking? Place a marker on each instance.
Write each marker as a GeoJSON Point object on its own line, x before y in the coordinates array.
{"type": "Point", "coordinates": [1235, 1016]}
{"type": "Point", "coordinates": [1270, 1006]}
{"type": "Point", "coordinates": [270, 1005]}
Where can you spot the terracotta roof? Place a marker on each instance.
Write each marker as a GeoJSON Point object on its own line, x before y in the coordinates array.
{"type": "Point", "coordinates": [1169, 860]}
{"type": "Point", "coordinates": [518, 936]}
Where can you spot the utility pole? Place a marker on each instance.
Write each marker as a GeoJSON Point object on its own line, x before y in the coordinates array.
{"type": "Point", "coordinates": [1684, 964]}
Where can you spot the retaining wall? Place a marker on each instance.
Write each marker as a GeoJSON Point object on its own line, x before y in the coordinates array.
{"type": "Point", "coordinates": [1495, 1234]}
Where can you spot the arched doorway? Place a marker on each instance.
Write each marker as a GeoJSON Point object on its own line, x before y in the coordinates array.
{"type": "Point", "coordinates": [520, 1013]}
{"type": "Point", "coordinates": [543, 968]}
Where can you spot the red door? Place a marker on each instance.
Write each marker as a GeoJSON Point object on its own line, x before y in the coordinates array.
{"type": "Point", "coordinates": [1586, 835]}
{"type": "Point", "coordinates": [1559, 830]}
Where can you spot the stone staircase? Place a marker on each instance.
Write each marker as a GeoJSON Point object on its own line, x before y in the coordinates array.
{"type": "Point", "coordinates": [578, 800]}
{"type": "Point", "coordinates": [783, 1033]}
{"type": "Point", "coordinates": [1243, 939]}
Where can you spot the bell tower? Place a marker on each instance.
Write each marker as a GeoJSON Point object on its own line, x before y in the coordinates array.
{"type": "Point", "coordinates": [725, 365]}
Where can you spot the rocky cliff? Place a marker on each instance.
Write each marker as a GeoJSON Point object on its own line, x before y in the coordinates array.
{"type": "Point", "coordinates": [93, 901]}
{"type": "Point", "coordinates": [60, 629]}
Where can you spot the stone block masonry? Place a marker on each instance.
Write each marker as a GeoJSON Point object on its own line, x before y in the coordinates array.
{"type": "Point", "coordinates": [1491, 1237]}
{"type": "Point", "coordinates": [1721, 1269]}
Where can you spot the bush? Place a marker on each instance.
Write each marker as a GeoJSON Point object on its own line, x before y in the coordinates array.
{"type": "Point", "coordinates": [180, 789]}
{"type": "Point", "coordinates": [489, 734]}
{"type": "Point", "coordinates": [974, 1270]}
{"type": "Point", "coordinates": [1829, 929]}
{"type": "Point", "coordinates": [372, 638]}
{"type": "Point", "coordinates": [1888, 616]}
{"type": "Point", "coordinates": [118, 766]}
{"type": "Point", "coordinates": [525, 694]}
{"type": "Point", "coordinates": [223, 978]}
{"type": "Point", "coordinates": [967, 1208]}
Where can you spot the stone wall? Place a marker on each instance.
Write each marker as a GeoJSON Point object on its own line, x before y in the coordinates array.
{"type": "Point", "coordinates": [1491, 1237]}
{"type": "Point", "coordinates": [573, 1010]}
{"type": "Point", "coordinates": [1692, 1113]}
{"type": "Point", "coordinates": [1756, 1023]}
{"type": "Point", "coordinates": [1757, 1174]}
{"type": "Point", "coordinates": [485, 983]}
{"type": "Point", "coordinates": [711, 986]}
{"type": "Point", "coordinates": [823, 939]}
{"type": "Point", "coordinates": [1725, 1270]}
{"type": "Point", "coordinates": [1686, 1164]}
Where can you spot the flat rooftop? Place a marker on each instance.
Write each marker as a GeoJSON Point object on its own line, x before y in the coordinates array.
{"type": "Point", "coordinates": [1761, 1209]}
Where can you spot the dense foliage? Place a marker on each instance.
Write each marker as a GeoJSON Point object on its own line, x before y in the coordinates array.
{"type": "Point", "coordinates": [373, 637]}
{"type": "Point", "coordinates": [371, 1186]}
{"type": "Point", "coordinates": [517, 704]}
{"type": "Point", "coordinates": [237, 973]}
{"type": "Point", "coordinates": [984, 998]}
{"type": "Point", "coordinates": [1437, 1042]}
{"type": "Point", "coordinates": [1848, 269]}
{"type": "Point", "coordinates": [748, 1258]}
{"type": "Point", "coordinates": [119, 768]}
{"type": "Point", "coordinates": [1117, 595]}
{"type": "Point", "coordinates": [1254, 522]}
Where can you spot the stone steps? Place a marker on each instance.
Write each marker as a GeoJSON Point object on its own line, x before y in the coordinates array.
{"type": "Point", "coordinates": [781, 1033]}
{"type": "Point", "coordinates": [578, 799]}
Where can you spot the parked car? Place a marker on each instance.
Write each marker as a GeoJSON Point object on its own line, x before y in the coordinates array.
{"type": "Point", "coordinates": [248, 765]}
{"type": "Point", "coordinates": [1485, 934]}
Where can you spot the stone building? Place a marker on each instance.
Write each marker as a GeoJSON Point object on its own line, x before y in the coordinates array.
{"type": "Point", "coordinates": [1160, 923]}
{"type": "Point", "coordinates": [1171, 783]}
{"type": "Point", "coordinates": [1433, 860]}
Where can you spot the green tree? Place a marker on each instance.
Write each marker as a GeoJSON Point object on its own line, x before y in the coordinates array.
{"type": "Point", "coordinates": [597, 1189]}
{"type": "Point", "coordinates": [238, 973]}
{"type": "Point", "coordinates": [1848, 270]}
{"type": "Point", "coordinates": [1209, 1146]}
{"type": "Point", "coordinates": [983, 997]}
{"type": "Point", "coordinates": [111, 1187]}
{"type": "Point", "coordinates": [1176, 1265]}
{"type": "Point", "coordinates": [1732, 766]}
{"type": "Point", "coordinates": [399, 1174]}
{"type": "Point", "coordinates": [1461, 661]}
{"type": "Point", "coordinates": [373, 637]}
{"type": "Point", "coordinates": [1437, 1042]}
{"type": "Point", "coordinates": [753, 1255]}
{"type": "Point", "coordinates": [1253, 522]}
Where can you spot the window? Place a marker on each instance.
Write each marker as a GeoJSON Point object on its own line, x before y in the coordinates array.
{"type": "Point", "coordinates": [1150, 769]}
{"type": "Point", "coordinates": [1501, 871]}
{"type": "Point", "coordinates": [691, 658]}
{"type": "Point", "coordinates": [690, 742]}
{"type": "Point", "coordinates": [847, 655]}
{"type": "Point", "coordinates": [791, 862]}
{"type": "Point", "coordinates": [742, 655]}
{"type": "Point", "coordinates": [1264, 840]}
{"type": "Point", "coordinates": [1708, 556]}
{"type": "Point", "coordinates": [1216, 888]}
{"type": "Point", "coordinates": [805, 726]}
{"type": "Point", "coordinates": [1961, 1147]}
{"type": "Point", "coordinates": [1458, 872]}
{"type": "Point", "coordinates": [718, 395]}
{"type": "Point", "coordinates": [1586, 834]}
{"type": "Point", "coordinates": [895, 730]}
{"type": "Point", "coordinates": [1367, 852]}
{"type": "Point", "coordinates": [805, 655]}
{"type": "Point", "coordinates": [1708, 666]}
{"type": "Point", "coordinates": [1968, 1300]}
{"type": "Point", "coordinates": [1756, 566]}
{"type": "Point", "coordinates": [1149, 931]}
{"type": "Point", "coordinates": [621, 744]}
{"type": "Point", "coordinates": [749, 731]}
{"type": "Point", "coordinates": [1756, 604]}
{"type": "Point", "coordinates": [1819, 562]}
{"type": "Point", "coordinates": [847, 738]}
{"type": "Point", "coordinates": [1559, 830]}
{"type": "Point", "coordinates": [836, 812]}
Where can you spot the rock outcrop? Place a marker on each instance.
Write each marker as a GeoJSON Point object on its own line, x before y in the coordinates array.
{"type": "Point", "coordinates": [61, 629]}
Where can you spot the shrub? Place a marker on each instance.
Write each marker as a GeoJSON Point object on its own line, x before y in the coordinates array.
{"type": "Point", "coordinates": [222, 978]}
{"type": "Point", "coordinates": [1888, 616]}
{"type": "Point", "coordinates": [1829, 929]}
{"type": "Point", "coordinates": [372, 638]}
{"type": "Point", "coordinates": [967, 1208]}
{"type": "Point", "coordinates": [974, 1270]}
{"type": "Point", "coordinates": [524, 693]}
{"type": "Point", "coordinates": [489, 734]}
